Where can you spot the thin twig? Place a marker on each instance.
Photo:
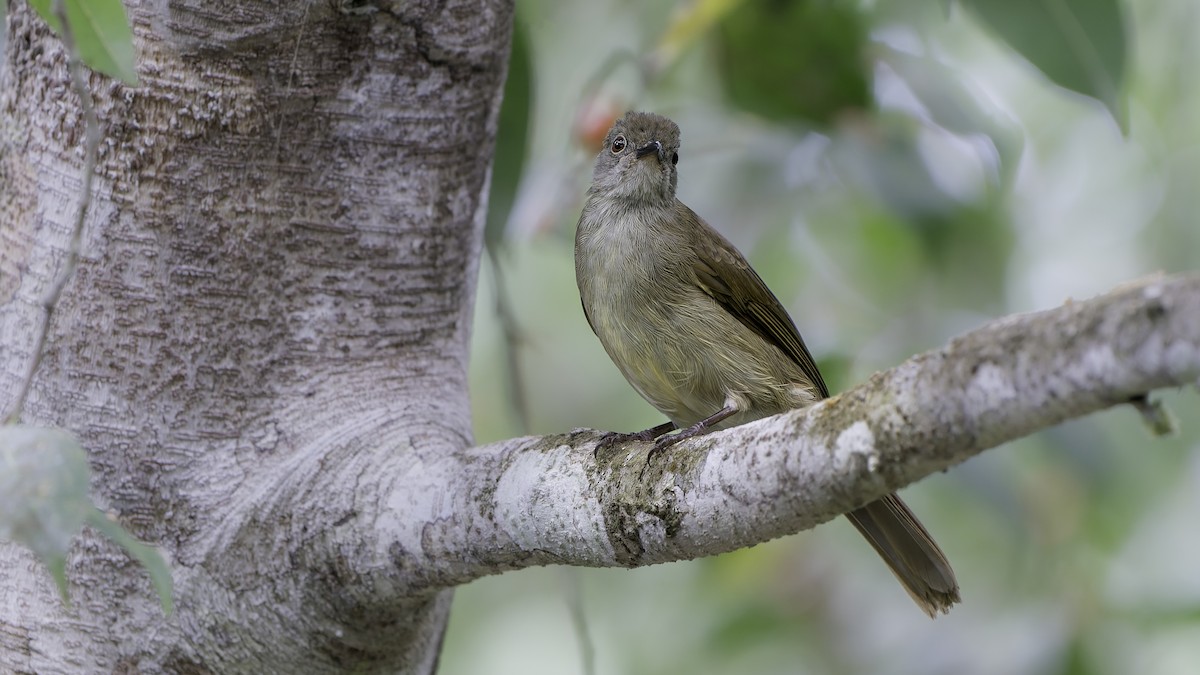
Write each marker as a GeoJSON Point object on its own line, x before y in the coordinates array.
{"type": "Point", "coordinates": [91, 142]}
{"type": "Point", "coordinates": [587, 651]}
{"type": "Point", "coordinates": [513, 340]}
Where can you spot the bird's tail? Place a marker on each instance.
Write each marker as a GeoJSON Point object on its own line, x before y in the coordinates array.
{"type": "Point", "coordinates": [906, 547]}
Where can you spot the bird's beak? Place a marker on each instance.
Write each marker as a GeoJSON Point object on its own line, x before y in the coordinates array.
{"type": "Point", "coordinates": [652, 147]}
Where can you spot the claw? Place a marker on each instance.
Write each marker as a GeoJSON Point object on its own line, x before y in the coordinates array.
{"type": "Point", "coordinates": [697, 429]}
{"type": "Point", "coordinates": [612, 438]}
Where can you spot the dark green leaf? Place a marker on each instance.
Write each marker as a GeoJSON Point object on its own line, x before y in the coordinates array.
{"type": "Point", "coordinates": [512, 137]}
{"type": "Point", "coordinates": [795, 60]}
{"type": "Point", "coordinates": [102, 35]}
{"type": "Point", "coordinates": [508, 163]}
{"type": "Point", "coordinates": [1079, 44]}
{"type": "Point", "coordinates": [974, 244]}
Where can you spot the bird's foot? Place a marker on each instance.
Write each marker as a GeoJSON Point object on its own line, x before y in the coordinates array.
{"type": "Point", "coordinates": [665, 442]}
{"type": "Point", "coordinates": [614, 438]}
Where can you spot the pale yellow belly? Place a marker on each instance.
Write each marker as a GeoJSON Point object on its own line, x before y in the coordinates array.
{"type": "Point", "coordinates": [688, 357]}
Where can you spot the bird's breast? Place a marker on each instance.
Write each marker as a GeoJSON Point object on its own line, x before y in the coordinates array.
{"type": "Point", "coordinates": [679, 348]}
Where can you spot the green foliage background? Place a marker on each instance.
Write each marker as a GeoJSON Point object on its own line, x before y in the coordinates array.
{"type": "Point", "coordinates": [899, 173]}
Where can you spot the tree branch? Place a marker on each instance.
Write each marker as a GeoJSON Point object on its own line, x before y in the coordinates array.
{"type": "Point", "coordinates": [548, 500]}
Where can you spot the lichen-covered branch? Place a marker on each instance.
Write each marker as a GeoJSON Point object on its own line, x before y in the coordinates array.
{"type": "Point", "coordinates": [549, 500]}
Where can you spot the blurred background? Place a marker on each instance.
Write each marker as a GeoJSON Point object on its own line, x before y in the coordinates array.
{"type": "Point", "coordinates": [899, 172]}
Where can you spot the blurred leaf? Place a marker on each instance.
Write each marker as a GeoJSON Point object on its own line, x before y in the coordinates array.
{"type": "Point", "coordinates": [689, 23]}
{"type": "Point", "coordinates": [1078, 44]}
{"type": "Point", "coordinates": [1159, 617]}
{"type": "Point", "coordinates": [749, 625]}
{"type": "Point", "coordinates": [44, 502]}
{"type": "Point", "coordinates": [794, 60]}
{"type": "Point", "coordinates": [508, 164]}
{"type": "Point", "coordinates": [160, 574]}
{"type": "Point", "coordinates": [1075, 658]}
{"type": "Point", "coordinates": [960, 240]}
{"type": "Point", "coordinates": [893, 254]}
{"type": "Point", "coordinates": [773, 254]}
{"type": "Point", "coordinates": [942, 92]}
{"type": "Point", "coordinates": [43, 493]}
{"type": "Point", "coordinates": [880, 154]}
{"type": "Point", "coordinates": [836, 368]}
{"type": "Point", "coordinates": [512, 137]}
{"type": "Point", "coordinates": [4, 23]}
{"type": "Point", "coordinates": [56, 565]}
{"type": "Point", "coordinates": [102, 35]}
{"type": "Point", "coordinates": [970, 249]}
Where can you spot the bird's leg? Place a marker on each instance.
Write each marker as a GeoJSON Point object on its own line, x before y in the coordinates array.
{"type": "Point", "coordinates": [616, 437]}
{"type": "Point", "coordinates": [701, 427]}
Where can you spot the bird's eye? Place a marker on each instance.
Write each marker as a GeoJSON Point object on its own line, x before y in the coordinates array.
{"type": "Point", "coordinates": [618, 145]}
{"type": "Point", "coordinates": [674, 157]}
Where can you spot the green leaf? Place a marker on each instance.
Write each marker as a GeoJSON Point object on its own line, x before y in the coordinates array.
{"type": "Point", "coordinates": [791, 61]}
{"type": "Point", "coordinates": [691, 21]}
{"type": "Point", "coordinates": [56, 564]}
{"type": "Point", "coordinates": [44, 477]}
{"type": "Point", "coordinates": [160, 574]}
{"type": "Point", "coordinates": [1080, 45]}
{"type": "Point", "coordinates": [102, 35]}
{"type": "Point", "coordinates": [512, 134]}
{"type": "Point", "coordinates": [43, 492]}
{"type": "Point", "coordinates": [43, 487]}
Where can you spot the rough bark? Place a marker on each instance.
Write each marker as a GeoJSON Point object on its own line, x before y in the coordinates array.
{"type": "Point", "coordinates": [268, 329]}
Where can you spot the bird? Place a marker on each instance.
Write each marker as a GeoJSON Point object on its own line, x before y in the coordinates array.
{"type": "Point", "coordinates": [699, 335]}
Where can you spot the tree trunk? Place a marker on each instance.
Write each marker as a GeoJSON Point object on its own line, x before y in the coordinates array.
{"type": "Point", "coordinates": [268, 327]}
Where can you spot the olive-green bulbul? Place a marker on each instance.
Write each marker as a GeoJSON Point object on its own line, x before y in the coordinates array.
{"type": "Point", "coordinates": [699, 335]}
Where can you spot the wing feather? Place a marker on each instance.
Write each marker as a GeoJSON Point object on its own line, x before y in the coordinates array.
{"type": "Point", "coordinates": [724, 275]}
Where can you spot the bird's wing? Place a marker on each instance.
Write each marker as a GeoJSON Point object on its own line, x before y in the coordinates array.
{"type": "Point", "coordinates": [724, 274]}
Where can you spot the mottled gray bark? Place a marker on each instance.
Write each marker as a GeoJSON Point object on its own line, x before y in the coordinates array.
{"type": "Point", "coordinates": [267, 333]}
